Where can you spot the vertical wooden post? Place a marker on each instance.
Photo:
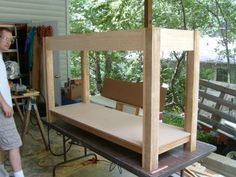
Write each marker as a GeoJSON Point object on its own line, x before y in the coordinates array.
{"type": "Point", "coordinates": [192, 87]}
{"type": "Point", "coordinates": [85, 75]}
{"type": "Point", "coordinates": [148, 13]}
{"type": "Point", "coordinates": [151, 98]}
{"type": "Point", "coordinates": [50, 95]}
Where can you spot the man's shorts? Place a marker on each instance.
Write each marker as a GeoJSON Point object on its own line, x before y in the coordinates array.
{"type": "Point", "coordinates": [9, 136]}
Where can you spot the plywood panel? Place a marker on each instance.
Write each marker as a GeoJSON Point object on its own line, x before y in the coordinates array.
{"type": "Point", "coordinates": [128, 92]}
{"type": "Point", "coordinates": [116, 126]}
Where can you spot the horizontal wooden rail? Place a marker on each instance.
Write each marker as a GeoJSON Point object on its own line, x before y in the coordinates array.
{"type": "Point", "coordinates": [217, 112]}
{"type": "Point", "coordinates": [217, 87]}
{"type": "Point", "coordinates": [113, 40]}
{"type": "Point", "coordinates": [217, 100]}
{"type": "Point", "coordinates": [222, 127]}
{"type": "Point", "coordinates": [122, 40]}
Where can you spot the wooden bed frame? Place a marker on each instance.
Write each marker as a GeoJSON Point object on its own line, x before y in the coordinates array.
{"type": "Point", "coordinates": [139, 134]}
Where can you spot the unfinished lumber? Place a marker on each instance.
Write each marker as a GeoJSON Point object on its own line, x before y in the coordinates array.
{"type": "Point", "coordinates": [152, 41]}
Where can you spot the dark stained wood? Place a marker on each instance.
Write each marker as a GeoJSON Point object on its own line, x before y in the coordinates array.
{"type": "Point", "coordinates": [172, 161]}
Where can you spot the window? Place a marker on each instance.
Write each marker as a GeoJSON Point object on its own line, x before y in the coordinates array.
{"type": "Point", "coordinates": [221, 74]}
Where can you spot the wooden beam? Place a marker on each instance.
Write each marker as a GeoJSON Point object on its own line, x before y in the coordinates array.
{"type": "Point", "coordinates": [217, 112]}
{"type": "Point", "coordinates": [217, 100]}
{"type": "Point", "coordinates": [192, 87]}
{"type": "Point", "coordinates": [50, 95]}
{"type": "Point", "coordinates": [148, 13]}
{"type": "Point", "coordinates": [176, 40]}
{"type": "Point", "coordinates": [113, 40]}
{"type": "Point", "coordinates": [122, 40]}
{"type": "Point", "coordinates": [85, 75]}
{"type": "Point", "coordinates": [151, 99]}
{"type": "Point", "coordinates": [218, 87]}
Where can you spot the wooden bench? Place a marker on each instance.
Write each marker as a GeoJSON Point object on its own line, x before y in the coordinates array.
{"type": "Point", "coordinates": [215, 108]}
{"type": "Point", "coordinates": [128, 93]}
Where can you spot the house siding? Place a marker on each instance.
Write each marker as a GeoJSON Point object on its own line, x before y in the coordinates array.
{"type": "Point", "coordinates": [36, 12]}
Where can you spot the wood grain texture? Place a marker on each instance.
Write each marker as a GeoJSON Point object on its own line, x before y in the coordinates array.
{"type": "Point", "coordinates": [151, 99]}
{"type": "Point", "coordinates": [119, 127]}
{"type": "Point", "coordinates": [129, 93]}
{"type": "Point", "coordinates": [152, 41]}
{"type": "Point", "coordinates": [192, 87]}
{"type": "Point", "coordinates": [147, 13]}
{"type": "Point", "coordinates": [50, 93]}
{"type": "Point", "coordinates": [171, 39]}
{"type": "Point", "coordinates": [113, 40]}
{"type": "Point", "coordinates": [85, 75]}
{"type": "Point", "coordinates": [176, 40]}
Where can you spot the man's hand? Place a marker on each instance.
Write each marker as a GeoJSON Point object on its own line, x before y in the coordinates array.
{"type": "Point", "coordinates": [8, 111]}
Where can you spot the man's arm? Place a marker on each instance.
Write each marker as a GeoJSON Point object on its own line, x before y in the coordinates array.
{"type": "Point", "coordinates": [8, 111]}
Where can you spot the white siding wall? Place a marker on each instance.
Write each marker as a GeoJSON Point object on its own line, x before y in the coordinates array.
{"type": "Point", "coordinates": [38, 11]}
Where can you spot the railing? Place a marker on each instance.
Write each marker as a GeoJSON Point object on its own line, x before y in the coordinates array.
{"type": "Point", "coordinates": [217, 108]}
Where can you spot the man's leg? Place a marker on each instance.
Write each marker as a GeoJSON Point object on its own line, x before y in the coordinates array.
{"type": "Point", "coordinates": [3, 171]}
{"type": "Point", "coordinates": [15, 160]}
{"type": "Point", "coordinates": [1, 157]}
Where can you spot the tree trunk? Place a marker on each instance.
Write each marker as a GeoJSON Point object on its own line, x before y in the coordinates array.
{"type": "Point", "coordinates": [98, 76]}
{"type": "Point", "coordinates": [108, 65]}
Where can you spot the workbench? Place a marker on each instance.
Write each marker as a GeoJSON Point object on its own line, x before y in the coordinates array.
{"type": "Point", "coordinates": [169, 162]}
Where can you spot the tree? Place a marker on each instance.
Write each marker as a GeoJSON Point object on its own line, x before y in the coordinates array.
{"type": "Point", "coordinates": [223, 25]}
{"type": "Point", "coordinates": [179, 14]}
{"type": "Point", "coordinates": [99, 15]}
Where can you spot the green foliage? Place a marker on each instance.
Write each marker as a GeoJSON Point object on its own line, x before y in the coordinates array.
{"type": "Point", "coordinates": [178, 89]}
{"type": "Point", "coordinates": [214, 18]}
{"type": "Point", "coordinates": [207, 73]}
{"type": "Point", "coordinates": [177, 120]}
{"type": "Point", "coordinates": [206, 137]}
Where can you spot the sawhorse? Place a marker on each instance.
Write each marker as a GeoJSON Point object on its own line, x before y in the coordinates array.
{"type": "Point", "coordinates": [30, 103]}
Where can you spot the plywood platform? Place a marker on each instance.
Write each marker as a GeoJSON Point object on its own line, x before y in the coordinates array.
{"type": "Point", "coordinates": [119, 127]}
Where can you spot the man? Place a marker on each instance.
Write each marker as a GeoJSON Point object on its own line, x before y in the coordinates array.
{"type": "Point", "coordinates": [9, 137]}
